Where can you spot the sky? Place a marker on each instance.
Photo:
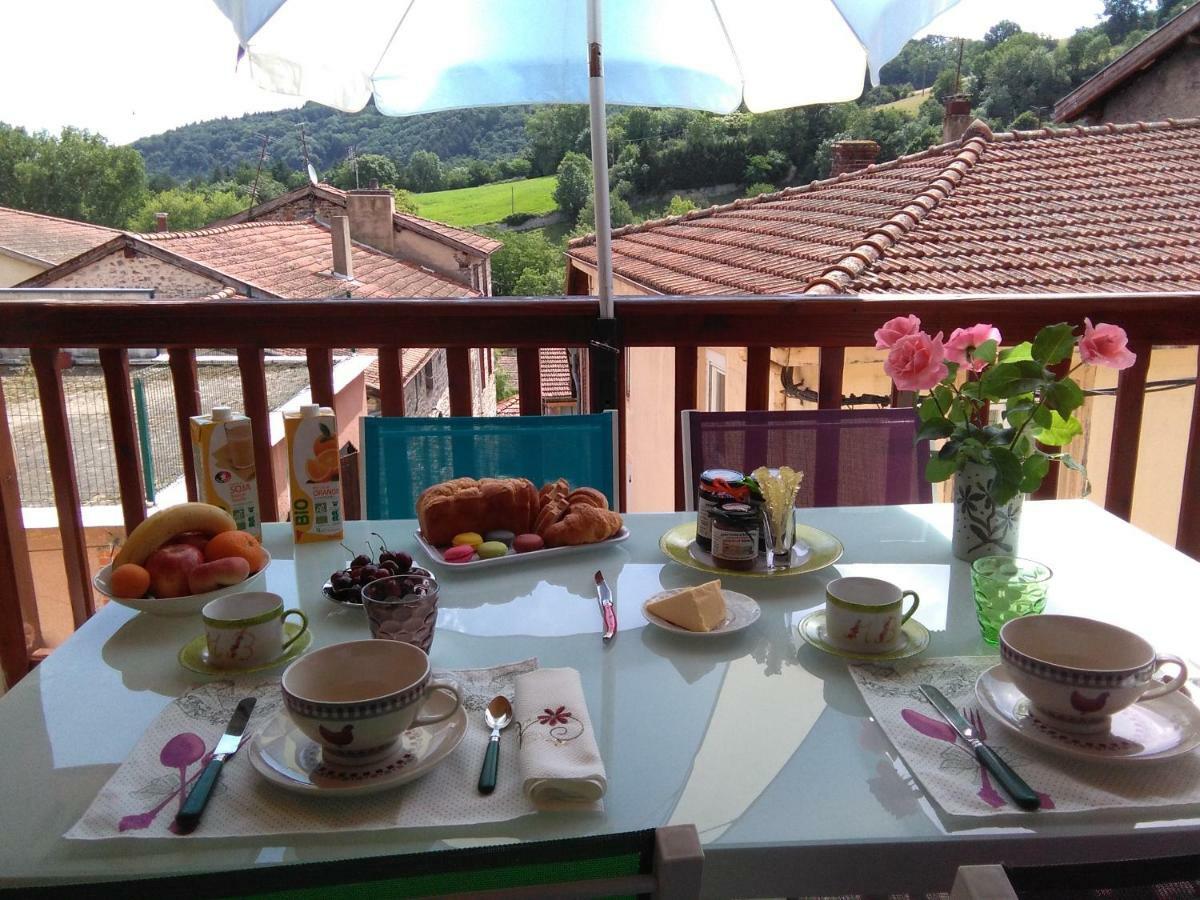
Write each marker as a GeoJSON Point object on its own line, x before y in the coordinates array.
{"type": "Point", "coordinates": [133, 68]}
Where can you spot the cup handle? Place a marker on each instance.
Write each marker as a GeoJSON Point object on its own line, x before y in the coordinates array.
{"type": "Point", "coordinates": [298, 634]}
{"type": "Point", "coordinates": [912, 609]}
{"type": "Point", "coordinates": [423, 719]}
{"type": "Point", "coordinates": [1174, 684]}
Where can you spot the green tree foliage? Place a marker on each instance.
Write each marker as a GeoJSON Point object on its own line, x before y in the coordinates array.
{"type": "Point", "coordinates": [405, 201]}
{"type": "Point", "coordinates": [756, 190]}
{"type": "Point", "coordinates": [551, 132]}
{"type": "Point", "coordinates": [76, 175]}
{"type": "Point", "coordinates": [527, 265]}
{"type": "Point", "coordinates": [1022, 74]}
{"type": "Point", "coordinates": [679, 206]}
{"type": "Point", "coordinates": [620, 214]}
{"type": "Point", "coordinates": [370, 167]}
{"type": "Point", "coordinates": [574, 187]}
{"type": "Point", "coordinates": [1125, 16]}
{"type": "Point", "coordinates": [771, 166]}
{"type": "Point", "coordinates": [187, 210]}
{"type": "Point", "coordinates": [424, 172]}
{"type": "Point", "coordinates": [1000, 32]}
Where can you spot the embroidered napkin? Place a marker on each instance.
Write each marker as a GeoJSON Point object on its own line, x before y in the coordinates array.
{"type": "Point", "coordinates": [954, 779]}
{"type": "Point", "coordinates": [142, 797]}
{"type": "Point", "coordinates": [560, 763]}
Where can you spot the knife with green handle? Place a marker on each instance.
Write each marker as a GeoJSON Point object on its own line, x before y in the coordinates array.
{"type": "Point", "coordinates": [189, 815]}
{"type": "Point", "coordinates": [1022, 794]}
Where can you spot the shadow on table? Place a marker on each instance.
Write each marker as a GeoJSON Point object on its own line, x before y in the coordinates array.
{"type": "Point", "coordinates": [145, 650]}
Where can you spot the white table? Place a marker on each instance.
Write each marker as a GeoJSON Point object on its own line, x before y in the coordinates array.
{"type": "Point", "coordinates": [758, 739]}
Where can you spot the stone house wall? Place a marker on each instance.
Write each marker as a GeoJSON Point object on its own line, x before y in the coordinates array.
{"type": "Point", "coordinates": [139, 271]}
{"type": "Point", "coordinates": [1168, 89]}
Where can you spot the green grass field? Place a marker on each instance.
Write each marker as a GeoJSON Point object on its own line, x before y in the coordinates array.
{"type": "Point", "coordinates": [488, 202]}
{"type": "Point", "coordinates": [909, 104]}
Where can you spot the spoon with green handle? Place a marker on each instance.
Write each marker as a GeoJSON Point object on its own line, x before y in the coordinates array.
{"type": "Point", "coordinates": [497, 715]}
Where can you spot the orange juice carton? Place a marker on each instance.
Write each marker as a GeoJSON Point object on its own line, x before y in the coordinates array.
{"type": "Point", "coordinates": [314, 474]}
{"type": "Point", "coordinates": [223, 450]}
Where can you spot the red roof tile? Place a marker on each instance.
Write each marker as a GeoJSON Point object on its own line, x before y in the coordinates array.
{"type": "Point", "coordinates": [554, 368]}
{"type": "Point", "coordinates": [1100, 209]}
{"type": "Point", "coordinates": [509, 406]}
{"type": "Point", "coordinates": [48, 239]}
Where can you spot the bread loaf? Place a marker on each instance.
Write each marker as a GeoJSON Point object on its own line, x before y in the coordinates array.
{"type": "Point", "coordinates": [465, 504]}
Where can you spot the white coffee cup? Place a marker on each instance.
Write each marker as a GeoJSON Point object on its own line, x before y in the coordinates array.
{"type": "Point", "coordinates": [864, 615]}
{"type": "Point", "coordinates": [246, 630]}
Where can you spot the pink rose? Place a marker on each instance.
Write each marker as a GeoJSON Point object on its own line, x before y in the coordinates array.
{"type": "Point", "coordinates": [894, 329]}
{"type": "Point", "coordinates": [964, 340]}
{"type": "Point", "coordinates": [1105, 345]}
{"type": "Point", "coordinates": [917, 362]}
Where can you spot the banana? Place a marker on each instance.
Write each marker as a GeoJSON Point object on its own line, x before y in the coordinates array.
{"type": "Point", "coordinates": [166, 523]}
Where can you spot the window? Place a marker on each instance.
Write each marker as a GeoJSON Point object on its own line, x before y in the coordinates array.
{"type": "Point", "coordinates": [561, 408]}
{"type": "Point", "coordinates": [716, 388]}
{"type": "Point", "coordinates": [427, 376]}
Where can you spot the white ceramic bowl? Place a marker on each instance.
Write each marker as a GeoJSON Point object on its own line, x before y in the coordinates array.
{"type": "Point", "coordinates": [188, 605]}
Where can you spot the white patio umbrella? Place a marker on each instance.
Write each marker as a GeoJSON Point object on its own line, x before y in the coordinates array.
{"type": "Point", "coordinates": [416, 56]}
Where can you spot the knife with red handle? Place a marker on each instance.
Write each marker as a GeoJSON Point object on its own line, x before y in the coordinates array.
{"type": "Point", "coordinates": [607, 609]}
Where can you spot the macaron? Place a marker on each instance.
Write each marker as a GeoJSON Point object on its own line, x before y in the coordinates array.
{"type": "Point", "coordinates": [460, 553]}
{"type": "Point", "coordinates": [492, 549]}
{"type": "Point", "coordinates": [501, 535]}
{"type": "Point", "coordinates": [470, 538]}
{"type": "Point", "coordinates": [525, 543]}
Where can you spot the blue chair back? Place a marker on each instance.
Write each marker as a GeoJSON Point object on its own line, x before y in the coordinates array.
{"type": "Point", "coordinates": [403, 455]}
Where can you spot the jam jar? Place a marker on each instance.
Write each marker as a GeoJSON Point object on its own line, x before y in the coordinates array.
{"type": "Point", "coordinates": [717, 486]}
{"type": "Point", "coordinates": [735, 530]}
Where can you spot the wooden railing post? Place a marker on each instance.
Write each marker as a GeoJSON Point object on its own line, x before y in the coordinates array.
{"type": "Point", "coordinates": [320, 375]}
{"type": "Point", "coordinates": [1127, 431]}
{"type": "Point", "coordinates": [115, 364]}
{"type": "Point", "coordinates": [1187, 538]}
{"type": "Point", "coordinates": [529, 381]}
{"type": "Point", "coordinates": [48, 364]}
{"type": "Point", "coordinates": [758, 378]}
{"type": "Point", "coordinates": [391, 381]}
{"type": "Point", "coordinates": [458, 368]}
{"type": "Point", "coordinates": [686, 364]}
{"type": "Point", "coordinates": [187, 404]}
{"type": "Point", "coordinates": [829, 380]}
{"type": "Point", "coordinates": [16, 576]}
{"type": "Point", "coordinates": [254, 395]}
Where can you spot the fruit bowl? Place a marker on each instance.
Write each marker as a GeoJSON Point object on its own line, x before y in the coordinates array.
{"type": "Point", "coordinates": [187, 605]}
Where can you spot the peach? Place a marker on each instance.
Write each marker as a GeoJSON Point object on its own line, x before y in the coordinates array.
{"type": "Point", "coordinates": [224, 572]}
{"type": "Point", "coordinates": [169, 568]}
{"type": "Point", "coordinates": [129, 581]}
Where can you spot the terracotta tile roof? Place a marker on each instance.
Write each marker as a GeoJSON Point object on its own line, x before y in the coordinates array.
{"type": "Point", "coordinates": [554, 368]}
{"type": "Point", "coordinates": [510, 406]}
{"type": "Point", "coordinates": [1108, 208]}
{"type": "Point", "coordinates": [1128, 65]}
{"type": "Point", "coordinates": [295, 259]}
{"type": "Point", "coordinates": [48, 239]}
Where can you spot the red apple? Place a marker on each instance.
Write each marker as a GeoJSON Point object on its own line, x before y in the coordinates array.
{"type": "Point", "coordinates": [218, 573]}
{"type": "Point", "coordinates": [169, 567]}
{"type": "Point", "coordinates": [194, 538]}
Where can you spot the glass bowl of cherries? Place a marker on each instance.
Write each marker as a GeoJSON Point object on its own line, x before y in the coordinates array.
{"type": "Point", "coordinates": [345, 585]}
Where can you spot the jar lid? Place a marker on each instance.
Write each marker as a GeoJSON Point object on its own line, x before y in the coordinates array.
{"type": "Point", "coordinates": [736, 513]}
{"type": "Point", "coordinates": [708, 476]}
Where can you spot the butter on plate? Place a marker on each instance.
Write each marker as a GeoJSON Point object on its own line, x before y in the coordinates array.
{"type": "Point", "coordinates": [699, 608]}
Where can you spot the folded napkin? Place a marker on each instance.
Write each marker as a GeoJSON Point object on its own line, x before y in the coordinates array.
{"type": "Point", "coordinates": [559, 761]}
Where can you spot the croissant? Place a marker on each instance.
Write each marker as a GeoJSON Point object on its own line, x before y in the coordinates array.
{"type": "Point", "coordinates": [589, 496]}
{"type": "Point", "coordinates": [583, 524]}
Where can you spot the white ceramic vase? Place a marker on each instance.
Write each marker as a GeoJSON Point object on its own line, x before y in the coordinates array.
{"type": "Point", "coordinates": [982, 528]}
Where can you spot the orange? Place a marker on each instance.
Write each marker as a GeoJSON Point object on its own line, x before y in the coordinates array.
{"type": "Point", "coordinates": [236, 543]}
{"type": "Point", "coordinates": [325, 444]}
{"type": "Point", "coordinates": [324, 466]}
{"type": "Point", "coordinates": [129, 581]}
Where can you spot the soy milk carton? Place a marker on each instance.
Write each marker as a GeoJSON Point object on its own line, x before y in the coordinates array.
{"type": "Point", "coordinates": [223, 450]}
{"type": "Point", "coordinates": [314, 472]}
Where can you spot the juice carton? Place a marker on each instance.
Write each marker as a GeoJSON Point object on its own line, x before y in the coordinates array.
{"type": "Point", "coordinates": [223, 449]}
{"type": "Point", "coordinates": [314, 474]}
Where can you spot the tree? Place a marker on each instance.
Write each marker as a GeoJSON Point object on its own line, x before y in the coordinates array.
{"type": "Point", "coordinates": [1000, 32]}
{"type": "Point", "coordinates": [679, 206]}
{"type": "Point", "coordinates": [574, 186]}
{"type": "Point", "coordinates": [770, 166]}
{"type": "Point", "coordinates": [756, 190]}
{"type": "Point", "coordinates": [525, 262]}
{"type": "Point", "coordinates": [370, 167]}
{"type": "Point", "coordinates": [1124, 16]}
{"type": "Point", "coordinates": [620, 215]}
{"type": "Point", "coordinates": [405, 201]}
{"type": "Point", "coordinates": [424, 172]}
{"type": "Point", "coordinates": [553, 131]}
{"type": "Point", "coordinates": [505, 386]}
{"type": "Point", "coordinates": [1021, 74]}
{"type": "Point", "coordinates": [77, 175]}
{"type": "Point", "coordinates": [187, 210]}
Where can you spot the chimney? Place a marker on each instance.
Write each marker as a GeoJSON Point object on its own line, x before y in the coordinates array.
{"type": "Point", "coordinates": [343, 262]}
{"type": "Point", "coordinates": [956, 118]}
{"type": "Point", "coordinates": [160, 222]}
{"type": "Point", "coordinates": [850, 156]}
{"type": "Point", "coordinates": [370, 211]}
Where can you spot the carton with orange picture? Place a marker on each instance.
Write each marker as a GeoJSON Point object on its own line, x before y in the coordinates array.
{"type": "Point", "coordinates": [314, 470]}
{"type": "Point", "coordinates": [223, 449]}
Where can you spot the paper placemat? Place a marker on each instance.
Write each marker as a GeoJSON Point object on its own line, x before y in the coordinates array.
{"type": "Point", "coordinates": [951, 774]}
{"type": "Point", "coordinates": [142, 797]}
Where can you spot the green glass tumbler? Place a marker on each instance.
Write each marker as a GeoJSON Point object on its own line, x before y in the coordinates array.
{"type": "Point", "coordinates": [1007, 587]}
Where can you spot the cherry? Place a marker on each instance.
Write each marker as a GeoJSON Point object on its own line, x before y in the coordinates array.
{"type": "Point", "coordinates": [361, 560]}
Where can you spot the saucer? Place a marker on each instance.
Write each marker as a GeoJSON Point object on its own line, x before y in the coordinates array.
{"type": "Point", "coordinates": [194, 655]}
{"type": "Point", "coordinates": [740, 612]}
{"type": "Point", "coordinates": [916, 639]}
{"type": "Point", "coordinates": [283, 755]}
{"type": "Point", "coordinates": [815, 549]}
{"type": "Point", "coordinates": [1142, 732]}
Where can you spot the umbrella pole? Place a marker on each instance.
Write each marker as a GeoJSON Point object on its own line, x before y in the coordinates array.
{"type": "Point", "coordinates": [605, 346]}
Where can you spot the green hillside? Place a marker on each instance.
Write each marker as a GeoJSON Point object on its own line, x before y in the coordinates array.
{"type": "Point", "coordinates": [909, 104]}
{"type": "Point", "coordinates": [488, 202]}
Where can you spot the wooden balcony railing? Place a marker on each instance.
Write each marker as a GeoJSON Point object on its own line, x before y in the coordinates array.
{"type": "Point", "coordinates": [683, 323]}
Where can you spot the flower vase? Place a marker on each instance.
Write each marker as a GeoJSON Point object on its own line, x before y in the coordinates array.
{"type": "Point", "coordinates": [981, 526]}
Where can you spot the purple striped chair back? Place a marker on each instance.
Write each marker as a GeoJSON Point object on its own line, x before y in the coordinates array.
{"type": "Point", "coordinates": [850, 457]}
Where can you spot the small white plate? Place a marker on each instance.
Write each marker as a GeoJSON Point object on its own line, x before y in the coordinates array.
{"type": "Point", "coordinates": [1142, 732]}
{"type": "Point", "coordinates": [177, 606]}
{"type": "Point", "coordinates": [284, 756]}
{"type": "Point", "coordinates": [740, 612]}
{"type": "Point", "coordinates": [435, 554]}
{"type": "Point", "coordinates": [916, 639]}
